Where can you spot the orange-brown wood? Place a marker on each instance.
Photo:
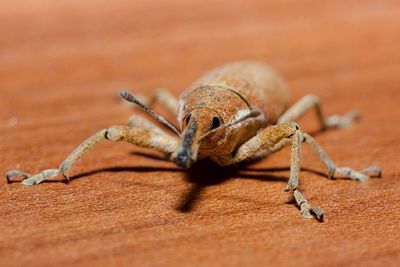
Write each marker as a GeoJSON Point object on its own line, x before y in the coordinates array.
{"type": "Point", "coordinates": [61, 66]}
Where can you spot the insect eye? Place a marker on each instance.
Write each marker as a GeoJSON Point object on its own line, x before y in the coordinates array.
{"type": "Point", "coordinates": [215, 123]}
{"type": "Point", "coordinates": [188, 118]}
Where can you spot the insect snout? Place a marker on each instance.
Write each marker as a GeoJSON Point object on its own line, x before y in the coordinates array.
{"type": "Point", "coordinates": [183, 159]}
{"type": "Point", "coordinates": [197, 127]}
{"type": "Point", "coordinates": [186, 151]}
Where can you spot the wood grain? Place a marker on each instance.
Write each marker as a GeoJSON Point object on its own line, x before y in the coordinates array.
{"type": "Point", "coordinates": [61, 66]}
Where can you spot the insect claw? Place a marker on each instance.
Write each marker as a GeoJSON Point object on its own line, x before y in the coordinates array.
{"type": "Point", "coordinates": [13, 173]}
{"type": "Point", "coordinates": [64, 170]}
{"type": "Point", "coordinates": [309, 212]}
{"type": "Point", "coordinates": [373, 170]}
{"type": "Point", "coordinates": [8, 177]}
{"type": "Point", "coordinates": [317, 213]}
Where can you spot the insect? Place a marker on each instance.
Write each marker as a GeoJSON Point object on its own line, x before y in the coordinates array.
{"type": "Point", "coordinates": [234, 113]}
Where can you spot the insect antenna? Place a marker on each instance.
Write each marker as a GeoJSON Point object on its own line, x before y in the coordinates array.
{"type": "Point", "coordinates": [252, 114]}
{"type": "Point", "coordinates": [131, 98]}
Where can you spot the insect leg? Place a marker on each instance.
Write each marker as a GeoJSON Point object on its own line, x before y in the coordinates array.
{"type": "Point", "coordinates": [282, 144]}
{"type": "Point", "coordinates": [141, 137]}
{"type": "Point", "coordinates": [344, 171]}
{"type": "Point", "coordinates": [268, 140]}
{"type": "Point", "coordinates": [272, 139]}
{"type": "Point", "coordinates": [311, 101]}
{"type": "Point", "coordinates": [29, 179]}
{"type": "Point", "coordinates": [164, 98]}
{"type": "Point", "coordinates": [306, 209]}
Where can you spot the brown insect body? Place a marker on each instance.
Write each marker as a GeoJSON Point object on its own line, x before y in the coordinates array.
{"type": "Point", "coordinates": [234, 113]}
{"type": "Point", "coordinates": [227, 93]}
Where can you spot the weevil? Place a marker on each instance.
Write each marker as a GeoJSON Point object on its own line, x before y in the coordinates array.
{"type": "Point", "coordinates": [234, 113]}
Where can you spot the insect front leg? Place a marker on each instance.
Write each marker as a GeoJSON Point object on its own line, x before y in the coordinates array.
{"type": "Point", "coordinates": [164, 98]}
{"type": "Point", "coordinates": [139, 136]}
{"type": "Point", "coordinates": [312, 102]}
{"type": "Point", "coordinates": [272, 139]}
{"type": "Point", "coordinates": [275, 137]}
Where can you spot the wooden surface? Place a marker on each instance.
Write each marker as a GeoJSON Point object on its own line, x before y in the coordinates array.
{"type": "Point", "coordinates": [61, 66]}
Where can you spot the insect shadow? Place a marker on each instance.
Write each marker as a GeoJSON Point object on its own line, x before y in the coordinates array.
{"type": "Point", "coordinates": [206, 173]}
{"type": "Point", "coordinates": [203, 174]}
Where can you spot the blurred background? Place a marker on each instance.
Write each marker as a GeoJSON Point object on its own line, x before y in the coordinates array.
{"type": "Point", "coordinates": [62, 64]}
{"type": "Point", "coordinates": [89, 49]}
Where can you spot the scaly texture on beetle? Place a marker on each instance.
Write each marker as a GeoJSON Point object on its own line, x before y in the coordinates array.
{"type": "Point", "coordinates": [234, 113]}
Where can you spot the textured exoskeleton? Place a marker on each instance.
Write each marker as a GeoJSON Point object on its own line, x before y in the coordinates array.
{"type": "Point", "coordinates": [236, 112]}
